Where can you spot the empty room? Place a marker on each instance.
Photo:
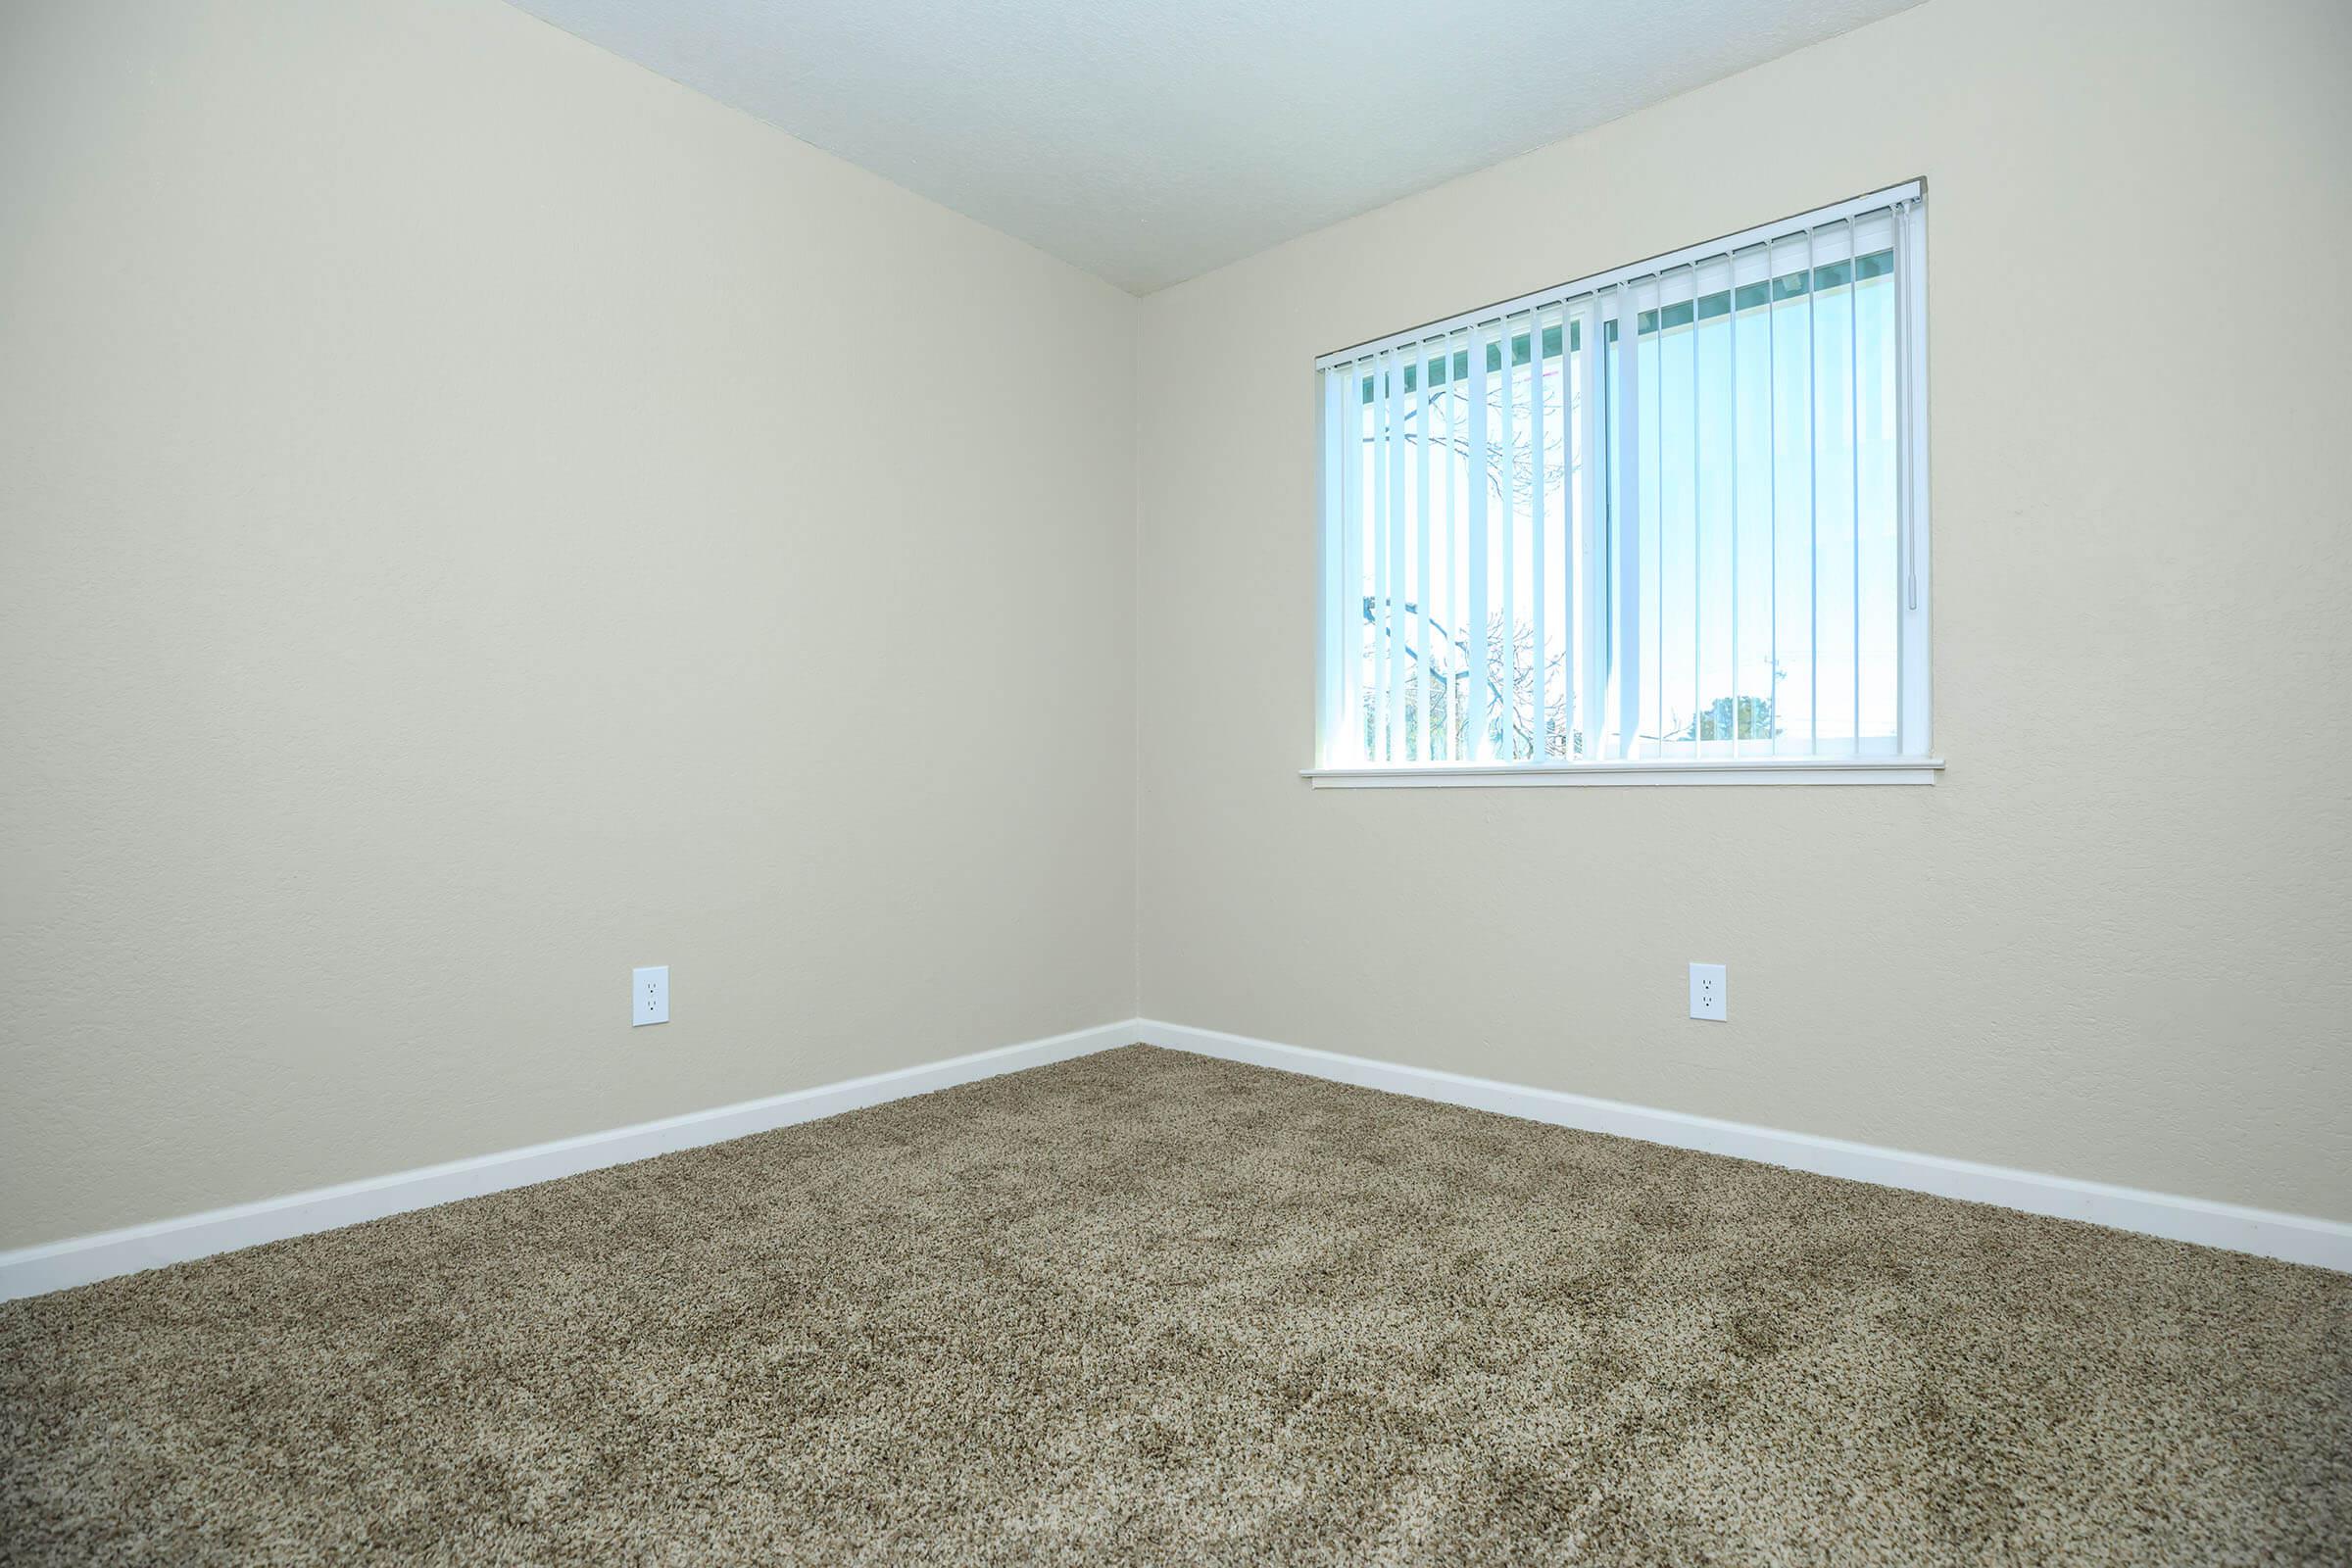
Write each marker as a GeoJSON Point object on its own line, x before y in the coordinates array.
{"type": "Point", "coordinates": [1535, 782]}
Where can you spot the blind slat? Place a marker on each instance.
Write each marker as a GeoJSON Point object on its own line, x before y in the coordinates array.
{"type": "Point", "coordinates": [1654, 524]}
{"type": "Point", "coordinates": [1626, 533]}
{"type": "Point", "coordinates": [1698, 538]}
{"type": "Point", "coordinates": [1424, 692]}
{"type": "Point", "coordinates": [1394, 588]}
{"type": "Point", "coordinates": [1588, 593]}
{"type": "Point", "coordinates": [1731, 329]}
{"type": "Point", "coordinates": [1813, 494]}
{"type": "Point", "coordinates": [1772, 480]}
{"type": "Point", "coordinates": [1328, 685]}
{"type": "Point", "coordinates": [1507, 472]}
{"type": "Point", "coordinates": [1351, 738]}
{"type": "Point", "coordinates": [1853, 463]}
{"type": "Point", "coordinates": [1475, 483]}
{"type": "Point", "coordinates": [1541, 728]}
{"type": "Point", "coordinates": [1457, 608]}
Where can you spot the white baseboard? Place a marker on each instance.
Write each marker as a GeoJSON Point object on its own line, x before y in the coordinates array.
{"type": "Point", "coordinates": [79, 1260]}
{"type": "Point", "coordinates": [2295, 1238]}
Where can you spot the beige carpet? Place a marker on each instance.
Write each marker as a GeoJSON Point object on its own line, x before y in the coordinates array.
{"type": "Point", "coordinates": [1150, 1308]}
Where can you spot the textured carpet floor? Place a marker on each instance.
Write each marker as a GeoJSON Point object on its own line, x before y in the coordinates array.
{"type": "Point", "coordinates": [1150, 1308]}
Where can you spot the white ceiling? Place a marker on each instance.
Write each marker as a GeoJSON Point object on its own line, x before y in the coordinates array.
{"type": "Point", "coordinates": [1150, 140]}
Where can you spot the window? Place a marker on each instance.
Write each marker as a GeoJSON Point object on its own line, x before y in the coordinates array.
{"type": "Point", "coordinates": [1668, 522]}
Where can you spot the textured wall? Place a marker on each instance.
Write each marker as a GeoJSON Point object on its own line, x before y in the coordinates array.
{"type": "Point", "coordinates": [460, 537]}
{"type": "Point", "coordinates": [2110, 943]}
{"type": "Point", "coordinates": [447, 477]}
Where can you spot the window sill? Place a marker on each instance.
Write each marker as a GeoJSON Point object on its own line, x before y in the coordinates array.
{"type": "Point", "coordinates": [1708, 770]}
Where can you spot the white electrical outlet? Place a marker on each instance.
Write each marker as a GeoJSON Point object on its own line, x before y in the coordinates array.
{"type": "Point", "coordinates": [1707, 993]}
{"type": "Point", "coordinates": [649, 995]}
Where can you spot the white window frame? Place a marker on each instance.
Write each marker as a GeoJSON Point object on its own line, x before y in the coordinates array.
{"type": "Point", "coordinates": [1914, 763]}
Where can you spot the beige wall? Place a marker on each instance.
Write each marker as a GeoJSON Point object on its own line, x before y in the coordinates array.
{"type": "Point", "coordinates": [457, 541]}
{"type": "Point", "coordinates": [2114, 941]}
{"type": "Point", "coordinates": [461, 537]}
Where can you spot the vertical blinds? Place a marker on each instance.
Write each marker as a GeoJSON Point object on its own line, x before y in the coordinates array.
{"type": "Point", "coordinates": [1668, 512]}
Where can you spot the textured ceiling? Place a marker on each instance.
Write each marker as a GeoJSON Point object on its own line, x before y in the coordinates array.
{"type": "Point", "coordinates": [1150, 140]}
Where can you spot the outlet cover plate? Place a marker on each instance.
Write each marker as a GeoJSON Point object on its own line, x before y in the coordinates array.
{"type": "Point", "coordinates": [1708, 998]}
{"type": "Point", "coordinates": [649, 995]}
